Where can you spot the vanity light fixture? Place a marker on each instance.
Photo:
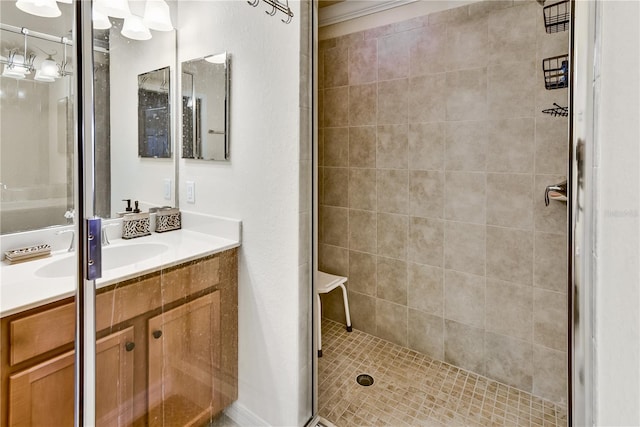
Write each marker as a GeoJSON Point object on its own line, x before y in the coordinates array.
{"type": "Point", "coordinates": [15, 67]}
{"type": "Point", "coordinates": [100, 20]}
{"type": "Point", "coordinates": [44, 8]}
{"type": "Point", "coordinates": [157, 15]}
{"type": "Point", "coordinates": [48, 71]}
{"type": "Point", "coordinates": [113, 8]}
{"type": "Point", "coordinates": [133, 28]}
{"type": "Point", "coordinates": [219, 58]}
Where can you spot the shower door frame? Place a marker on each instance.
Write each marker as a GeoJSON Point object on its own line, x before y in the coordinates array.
{"type": "Point", "coordinates": [84, 197]}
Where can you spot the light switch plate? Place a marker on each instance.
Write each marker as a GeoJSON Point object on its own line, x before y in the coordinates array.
{"type": "Point", "coordinates": [191, 192]}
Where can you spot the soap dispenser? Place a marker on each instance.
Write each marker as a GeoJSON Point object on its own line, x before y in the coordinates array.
{"type": "Point", "coordinates": [128, 209]}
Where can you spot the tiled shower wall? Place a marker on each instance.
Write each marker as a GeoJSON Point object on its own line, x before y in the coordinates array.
{"type": "Point", "coordinates": [433, 159]}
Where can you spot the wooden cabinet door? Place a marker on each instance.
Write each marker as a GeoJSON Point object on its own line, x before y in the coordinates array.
{"type": "Point", "coordinates": [43, 394]}
{"type": "Point", "coordinates": [184, 356]}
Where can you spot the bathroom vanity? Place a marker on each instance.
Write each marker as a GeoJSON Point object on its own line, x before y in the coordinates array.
{"type": "Point", "coordinates": [166, 346]}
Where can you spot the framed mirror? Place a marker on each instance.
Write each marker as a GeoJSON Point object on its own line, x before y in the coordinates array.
{"type": "Point", "coordinates": [154, 128]}
{"type": "Point", "coordinates": [205, 108]}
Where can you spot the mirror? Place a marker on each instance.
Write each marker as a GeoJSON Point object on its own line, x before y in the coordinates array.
{"type": "Point", "coordinates": [154, 133]}
{"type": "Point", "coordinates": [37, 121]}
{"type": "Point", "coordinates": [205, 108]}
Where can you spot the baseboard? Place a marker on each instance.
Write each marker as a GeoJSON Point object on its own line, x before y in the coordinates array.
{"type": "Point", "coordinates": [243, 416]}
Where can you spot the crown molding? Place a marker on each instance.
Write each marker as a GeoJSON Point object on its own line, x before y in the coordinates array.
{"type": "Point", "coordinates": [352, 9]}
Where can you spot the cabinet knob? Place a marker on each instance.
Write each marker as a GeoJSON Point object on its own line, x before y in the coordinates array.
{"type": "Point", "coordinates": [129, 346]}
{"type": "Point", "coordinates": [157, 334]}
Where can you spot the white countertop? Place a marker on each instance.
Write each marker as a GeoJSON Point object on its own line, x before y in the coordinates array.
{"type": "Point", "coordinates": [21, 288]}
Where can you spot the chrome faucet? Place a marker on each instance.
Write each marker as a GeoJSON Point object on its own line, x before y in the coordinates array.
{"type": "Point", "coordinates": [105, 237]}
{"type": "Point", "coordinates": [73, 236]}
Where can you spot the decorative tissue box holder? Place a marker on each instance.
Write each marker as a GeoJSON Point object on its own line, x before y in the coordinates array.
{"type": "Point", "coordinates": [135, 225]}
{"type": "Point", "coordinates": [168, 219]}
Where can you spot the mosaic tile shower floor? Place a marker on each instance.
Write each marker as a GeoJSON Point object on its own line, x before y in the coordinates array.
{"type": "Point", "coordinates": [411, 389]}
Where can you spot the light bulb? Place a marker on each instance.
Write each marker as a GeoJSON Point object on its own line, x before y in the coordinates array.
{"type": "Point", "coordinates": [100, 20]}
{"type": "Point", "coordinates": [133, 28]}
{"type": "Point", "coordinates": [44, 8]}
{"type": "Point", "coordinates": [48, 68]}
{"type": "Point", "coordinates": [113, 8]}
{"type": "Point", "coordinates": [157, 15]}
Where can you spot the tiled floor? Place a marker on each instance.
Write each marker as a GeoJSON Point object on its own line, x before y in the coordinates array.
{"type": "Point", "coordinates": [410, 389]}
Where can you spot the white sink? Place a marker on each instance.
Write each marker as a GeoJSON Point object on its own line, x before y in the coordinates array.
{"type": "Point", "coordinates": [112, 257]}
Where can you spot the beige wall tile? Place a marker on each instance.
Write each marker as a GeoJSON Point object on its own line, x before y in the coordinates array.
{"type": "Point", "coordinates": [393, 191]}
{"type": "Point", "coordinates": [336, 147]}
{"type": "Point", "coordinates": [362, 189]}
{"type": "Point", "coordinates": [467, 44]}
{"type": "Point", "coordinates": [362, 231]}
{"type": "Point", "coordinates": [426, 146]}
{"type": "Point", "coordinates": [336, 71]}
{"type": "Point", "coordinates": [320, 72]}
{"type": "Point", "coordinates": [335, 191]}
{"type": "Point", "coordinates": [552, 218]}
{"type": "Point", "coordinates": [333, 259]}
{"type": "Point", "coordinates": [466, 95]}
{"type": "Point", "coordinates": [464, 346]}
{"type": "Point", "coordinates": [509, 309]}
{"type": "Point", "coordinates": [336, 107]}
{"type": "Point", "coordinates": [391, 322]}
{"type": "Point", "coordinates": [425, 288]}
{"type": "Point", "coordinates": [511, 145]}
{"type": "Point", "coordinates": [546, 98]}
{"type": "Point", "coordinates": [550, 262]}
{"type": "Point", "coordinates": [392, 147]}
{"type": "Point", "coordinates": [464, 298]}
{"type": "Point", "coordinates": [510, 255]}
{"type": "Point", "coordinates": [512, 33]}
{"type": "Point", "coordinates": [392, 235]}
{"type": "Point", "coordinates": [363, 62]}
{"type": "Point", "coordinates": [334, 224]}
{"type": "Point", "coordinates": [466, 145]}
{"type": "Point", "coordinates": [362, 309]}
{"type": "Point", "coordinates": [511, 90]}
{"type": "Point", "coordinates": [362, 273]}
{"type": "Point", "coordinates": [464, 248]}
{"type": "Point", "coordinates": [426, 98]}
{"type": "Point", "coordinates": [426, 334]}
{"type": "Point", "coordinates": [550, 374]}
{"type": "Point", "coordinates": [332, 307]}
{"type": "Point", "coordinates": [426, 193]}
{"type": "Point", "coordinates": [362, 104]}
{"type": "Point", "coordinates": [426, 237]}
{"type": "Point", "coordinates": [393, 102]}
{"type": "Point", "coordinates": [392, 280]}
{"type": "Point", "coordinates": [550, 319]}
{"type": "Point", "coordinates": [465, 197]}
{"type": "Point", "coordinates": [362, 147]}
{"type": "Point", "coordinates": [393, 56]}
{"type": "Point", "coordinates": [509, 360]}
{"type": "Point", "coordinates": [427, 54]}
{"type": "Point", "coordinates": [552, 146]}
{"type": "Point", "coordinates": [510, 200]}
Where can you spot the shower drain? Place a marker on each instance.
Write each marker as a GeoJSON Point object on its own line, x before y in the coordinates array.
{"type": "Point", "coordinates": [364, 380]}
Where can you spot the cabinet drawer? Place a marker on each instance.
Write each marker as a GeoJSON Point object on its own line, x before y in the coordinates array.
{"type": "Point", "coordinates": [41, 332]}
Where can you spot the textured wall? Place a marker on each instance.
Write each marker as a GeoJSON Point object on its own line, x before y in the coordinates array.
{"type": "Point", "coordinates": [434, 157]}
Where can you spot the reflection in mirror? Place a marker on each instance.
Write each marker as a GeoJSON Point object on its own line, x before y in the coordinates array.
{"type": "Point", "coordinates": [36, 120]}
{"type": "Point", "coordinates": [205, 108]}
{"type": "Point", "coordinates": [153, 114]}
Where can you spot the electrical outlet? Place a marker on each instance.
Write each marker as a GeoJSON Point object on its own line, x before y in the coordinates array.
{"type": "Point", "coordinates": [166, 188]}
{"type": "Point", "coordinates": [191, 192]}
